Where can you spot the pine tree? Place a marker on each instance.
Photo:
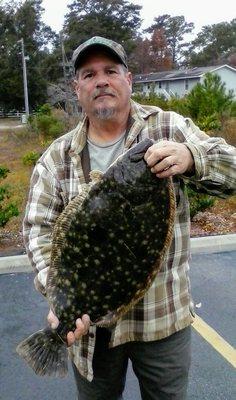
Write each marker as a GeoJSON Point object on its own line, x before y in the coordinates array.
{"type": "Point", "coordinates": [118, 20]}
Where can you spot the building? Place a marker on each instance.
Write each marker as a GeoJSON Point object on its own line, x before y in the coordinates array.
{"type": "Point", "coordinates": [180, 82]}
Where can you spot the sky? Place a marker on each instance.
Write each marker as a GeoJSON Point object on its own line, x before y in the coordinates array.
{"type": "Point", "coordinates": [201, 12]}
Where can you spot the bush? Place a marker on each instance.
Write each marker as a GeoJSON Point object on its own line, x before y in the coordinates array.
{"type": "Point", "coordinates": [7, 210]}
{"type": "Point", "coordinates": [152, 99]}
{"type": "Point", "coordinates": [178, 105]}
{"type": "Point", "coordinates": [208, 102]}
{"type": "Point", "coordinates": [198, 201]}
{"type": "Point", "coordinates": [45, 109]}
{"type": "Point", "coordinates": [30, 158]}
{"type": "Point", "coordinates": [56, 129]}
{"type": "Point", "coordinates": [209, 122]}
{"type": "Point", "coordinates": [46, 124]}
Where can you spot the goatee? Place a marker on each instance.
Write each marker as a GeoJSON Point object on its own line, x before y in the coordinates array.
{"type": "Point", "coordinates": [104, 113]}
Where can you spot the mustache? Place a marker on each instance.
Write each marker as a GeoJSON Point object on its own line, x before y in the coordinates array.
{"type": "Point", "coordinates": [102, 92]}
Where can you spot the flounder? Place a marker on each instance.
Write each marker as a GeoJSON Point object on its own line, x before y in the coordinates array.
{"type": "Point", "coordinates": [108, 245]}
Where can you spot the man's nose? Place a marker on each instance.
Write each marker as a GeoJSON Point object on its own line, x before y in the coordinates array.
{"type": "Point", "coordinates": [102, 81]}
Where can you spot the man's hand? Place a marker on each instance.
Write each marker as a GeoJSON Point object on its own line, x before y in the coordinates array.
{"type": "Point", "coordinates": [82, 326]}
{"type": "Point", "coordinates": [168, 158]}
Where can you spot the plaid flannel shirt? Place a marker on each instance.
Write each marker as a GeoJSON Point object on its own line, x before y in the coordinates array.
{"type": "Point", "coordinates": [58, 177]}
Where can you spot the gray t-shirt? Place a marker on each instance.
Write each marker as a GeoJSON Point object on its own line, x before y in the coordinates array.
{"type": "Point", "coordinates": [103, 155]}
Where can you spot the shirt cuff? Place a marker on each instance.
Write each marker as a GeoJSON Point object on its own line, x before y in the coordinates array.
{"type": "Point", "coordinates": [200, 162]}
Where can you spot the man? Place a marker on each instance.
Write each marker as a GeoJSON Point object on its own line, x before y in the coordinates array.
{"type": "Point", "coordinates": [155, 334]}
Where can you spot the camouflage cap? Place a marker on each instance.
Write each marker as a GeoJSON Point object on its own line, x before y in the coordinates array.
{"type": "Point", "coordinates": [115, 48]}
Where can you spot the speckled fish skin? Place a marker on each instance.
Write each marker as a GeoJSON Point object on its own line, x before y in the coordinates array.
{"type": "Point", "coordinates": [113, 243]}
{"type": "Point", "coordinates": [108, 245]}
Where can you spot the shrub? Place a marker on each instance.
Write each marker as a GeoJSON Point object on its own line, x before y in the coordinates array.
{"type": "Point", "coordinates": [7, 210]}
{"type": "Point", "coordinates": [30, 158]}
{"type": "Point", "coordinates": [198, 201]}
{"type": "Point", "coordinates": [209, 122]}
{"type": "Point", "coordinates": [152, 99]}
{"type": "Point", "coordinates": [46, 123]}
{"type": "Point", "coordinates": [56, 129]}
{"type": "Point", "coordinates": [178, 105]}
{"type": "Point", "coordinates": [45, 109]}
{"type": "Point", "coordinates": [208, 102]}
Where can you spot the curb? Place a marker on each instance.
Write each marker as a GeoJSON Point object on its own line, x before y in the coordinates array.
{"type": "Point", "coordinates": [201, 245]}
{"type": "Point", "coordinates": [13, 264]}
{"type": "Point", "coordinates": [213, 244]}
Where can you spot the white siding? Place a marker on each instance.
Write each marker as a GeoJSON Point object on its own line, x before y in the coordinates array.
{"type": "Point", "coordinates": [180, 87]}
{"type": "Point", "coordinates": [177, 87]}
{"type": "Point", "coordinates": [227, 76]}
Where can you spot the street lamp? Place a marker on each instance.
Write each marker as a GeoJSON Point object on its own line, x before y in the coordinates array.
{"type": "Point", "coordinates": [24, 77]}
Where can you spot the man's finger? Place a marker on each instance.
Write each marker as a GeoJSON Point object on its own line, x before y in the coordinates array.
{"type": "Point", "coordinates": [168, 172]}
{"type": "Point", "coordinates": [156, 155]}
{"type": "Point", "coordinates": [70, 338]}
{"type": "Point", "coordinates": [163, 165]}
{"type": "Point", "coordinates": [86, 322]}
{"type": "Point", "coordinates": [80, 328]}
{"type": "Point", "coordinates": [52, 320]}
{"type": "Point", "coordinates": [157, 145]}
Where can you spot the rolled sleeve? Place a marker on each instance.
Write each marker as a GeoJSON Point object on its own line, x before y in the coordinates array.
{"type": "Point", "coordinates": [214, 159]}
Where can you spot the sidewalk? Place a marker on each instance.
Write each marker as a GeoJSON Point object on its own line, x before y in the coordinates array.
{"type": "Point", "coordinates": [6, 124]}
{"type": "Point", "coordinates": [201, 245]}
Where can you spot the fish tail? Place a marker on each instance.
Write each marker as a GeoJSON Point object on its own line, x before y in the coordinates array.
{"type": "Point", "coordinates": [45, 352]}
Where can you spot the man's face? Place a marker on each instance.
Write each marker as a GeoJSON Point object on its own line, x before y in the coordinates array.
{"type": "Point", "coordinates": [103, 87]}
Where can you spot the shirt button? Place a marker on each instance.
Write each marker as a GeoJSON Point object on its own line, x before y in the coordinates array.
{"type": "Point", "coordinates": [91, 335]}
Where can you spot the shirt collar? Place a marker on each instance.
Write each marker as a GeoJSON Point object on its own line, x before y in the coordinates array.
{"type": "Point", "coordinates": [138, 114]}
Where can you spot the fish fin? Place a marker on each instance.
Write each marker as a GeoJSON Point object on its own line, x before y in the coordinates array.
{"type": "Point", "coordinates": [45, 353]}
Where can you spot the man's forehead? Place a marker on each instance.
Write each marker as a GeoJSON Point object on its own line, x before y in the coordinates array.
{"type": "Point", "coordinates": [99, 63]}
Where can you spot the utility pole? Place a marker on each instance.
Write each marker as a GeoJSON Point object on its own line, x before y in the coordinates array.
{"type": "Point", "coordinates": [24, 77]}
{"type": "Point", "coordinates": [64, 61]}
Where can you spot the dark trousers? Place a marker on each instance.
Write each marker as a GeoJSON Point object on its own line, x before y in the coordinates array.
{"type": "Point", "coordinates": [161, 367]}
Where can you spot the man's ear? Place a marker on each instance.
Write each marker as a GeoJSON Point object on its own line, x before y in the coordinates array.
{"type": "Point", "coordinates": [130, 78]}
{"type": "Point", "coordinates": [76, 88]}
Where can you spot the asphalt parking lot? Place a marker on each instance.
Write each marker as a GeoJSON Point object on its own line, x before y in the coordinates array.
{"type": "Point", "coordinates": [212, 376]}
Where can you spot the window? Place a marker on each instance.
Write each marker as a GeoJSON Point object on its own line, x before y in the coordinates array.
{"type": "Point", "coordinates": [159, 85]}
{"type": "Point", "coordinates": [186, 84]}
